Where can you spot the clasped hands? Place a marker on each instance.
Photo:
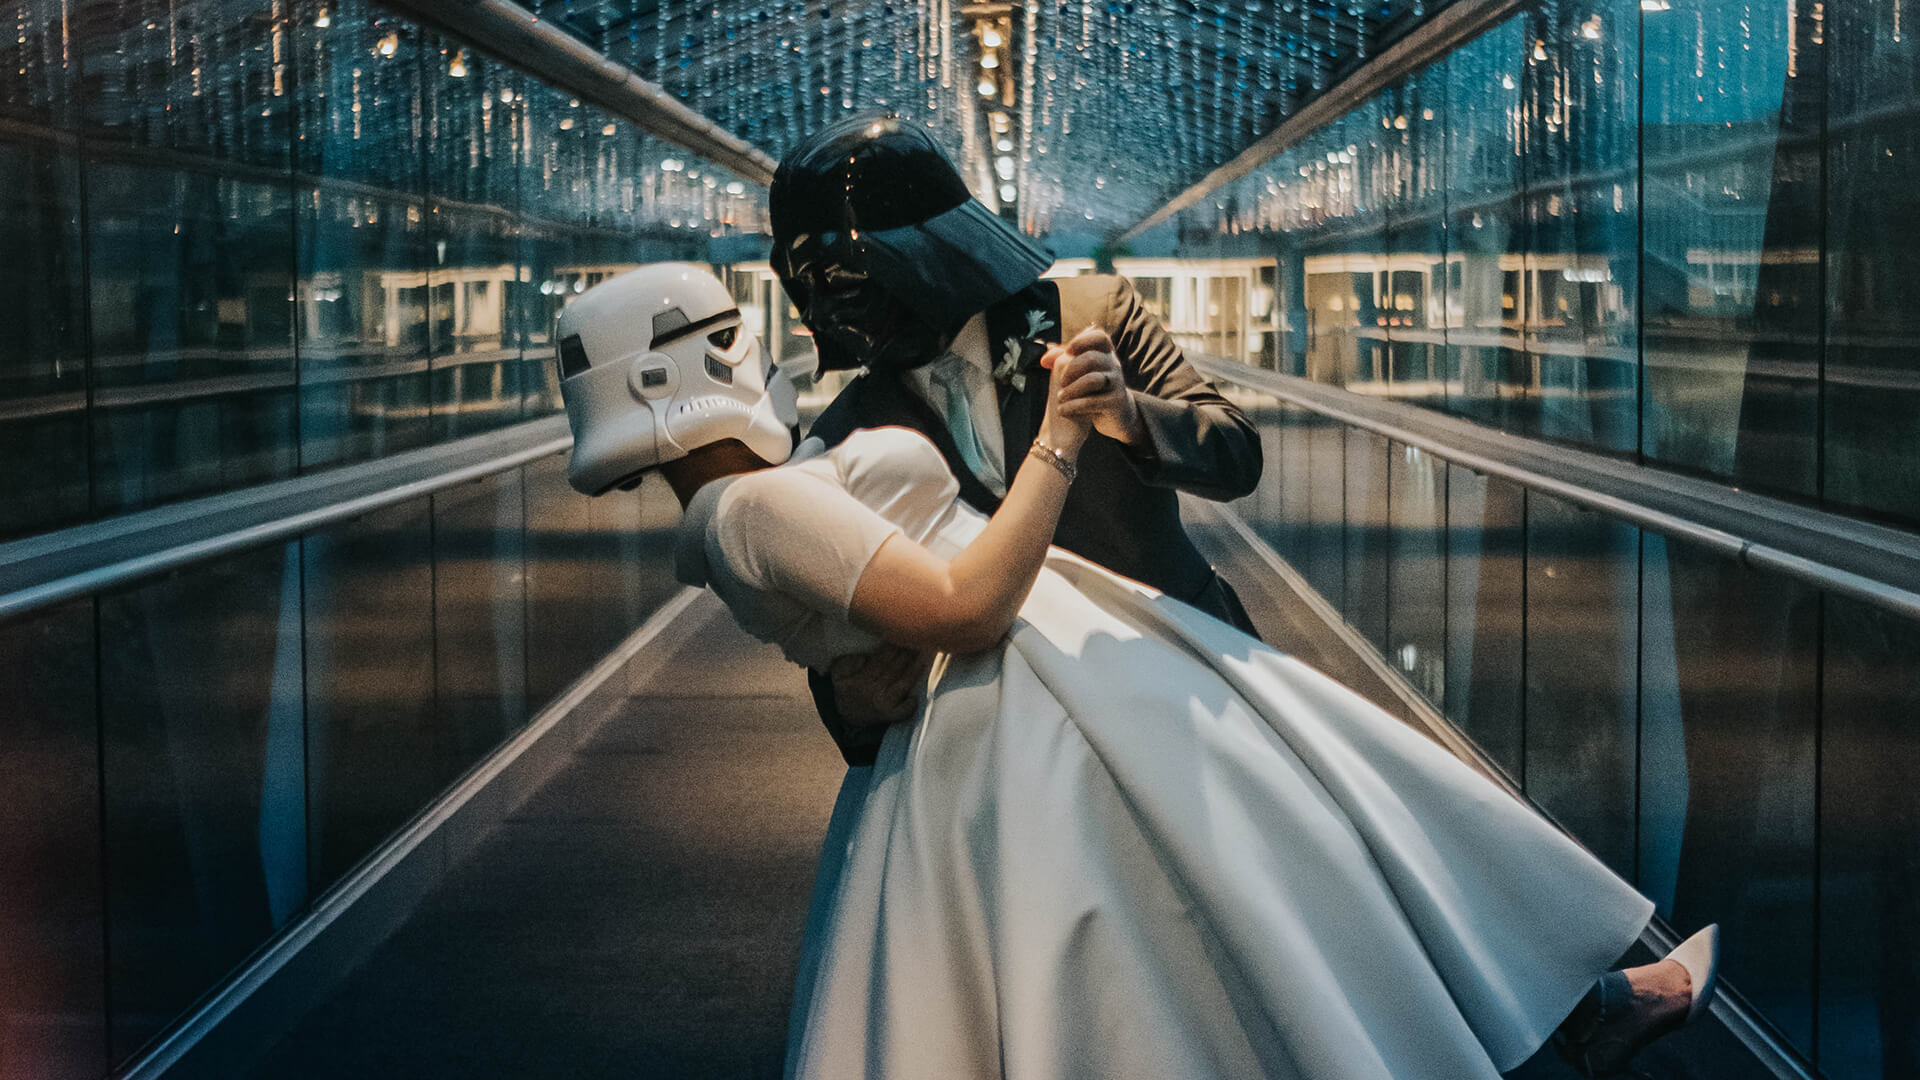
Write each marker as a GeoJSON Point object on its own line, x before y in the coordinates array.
{"type": "Point", "coordinates": [883, 686]}
{"type": "Point", "coordinates": [1092, 386]}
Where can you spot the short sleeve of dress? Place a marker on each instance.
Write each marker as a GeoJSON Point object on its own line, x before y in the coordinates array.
{"type": "Point", "coordinates": [790, 532]}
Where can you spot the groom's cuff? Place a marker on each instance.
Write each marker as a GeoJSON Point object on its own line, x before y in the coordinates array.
{"type": "Point", "coordinates": [858, 746]}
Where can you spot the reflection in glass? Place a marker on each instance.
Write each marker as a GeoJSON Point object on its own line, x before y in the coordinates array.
{"type": "Point", "coordinates": [1732, 204]}
{"type": "Point", "coordinates": [1415, 286]}
{"type": "Point", "coordinates": [1582, 616]}
{"type": "Point", "coordinates": [1265, 509]}
{"type": "Point", "coordinates": [1416, 614]}
{"type": "Point", "coordinates": [372, 744]}
{"type": "Point", "coordinates": [566, 601]}
{"type": "Point", "coordinates": [205, 779]}
{"type": "Point", "coordinates": [193, 366]}
{"type": "Point", "coordinates": [479, 605]}
{"type": "Point", "coordinates": [51, 1007]}
{"type": "Point", "coordinates": [1325, 564]}
{"type": "Point", "coordinates": [1869, 845]}
{"type": "Point", "coordinates": [1365, 596]}
{"type": "Point", "coordinates": [208, 78]}
{"type": "Point", "coordinates": [1872, 398]}
{"type": "Point", "coordinates": [363, 326]}
{"type": "Point", "coordinates": [1485, 613]}
{"type": "Point", "coordinates": [1727, 752]}
{"type": "Point", "coordinates": [1488, 375]}
{"type": "Point", "coordinates": [476, 360]}
{"type": "Point", "coordinates": [43, 374]}
{"type": "Point", "coordinates": [1580, 110]}
{"type": "Point", "coordinates": [1344, 267]}
{"type": "Point", "coordinates": [473, 175]}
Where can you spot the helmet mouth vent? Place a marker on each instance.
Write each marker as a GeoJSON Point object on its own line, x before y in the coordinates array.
{"type": "Point", "coordinates": [721, 373]}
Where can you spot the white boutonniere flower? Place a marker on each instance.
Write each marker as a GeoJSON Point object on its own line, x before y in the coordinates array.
{"type": "Point", "coordinates": [1018, 355]}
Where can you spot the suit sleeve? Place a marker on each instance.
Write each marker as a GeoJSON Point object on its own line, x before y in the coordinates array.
{"type": "Point", "coordinates": [1197, 440]}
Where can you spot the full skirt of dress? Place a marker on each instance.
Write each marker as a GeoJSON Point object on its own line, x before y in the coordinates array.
{"type": "Point", "coordinates": [1134, 842]}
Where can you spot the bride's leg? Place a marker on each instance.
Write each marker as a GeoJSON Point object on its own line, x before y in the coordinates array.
{"type": "Point", "coordinates": [1624, 1012]}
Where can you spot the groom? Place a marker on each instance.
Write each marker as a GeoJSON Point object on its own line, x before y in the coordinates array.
{"type": "Point", "coordinates": [895, 268]}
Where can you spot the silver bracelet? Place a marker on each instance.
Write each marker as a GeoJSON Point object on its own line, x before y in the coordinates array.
{"type": "Point", "coordinates": [1054, 458]}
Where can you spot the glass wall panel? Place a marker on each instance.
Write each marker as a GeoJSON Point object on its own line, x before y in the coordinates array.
{"type": "Point", "coordinates": [1278, 510]}
{"type": "Point", "coordinates": [192, 332]}
{"type": "Point", "coordinates": [1580, 154]}
{"type": "Point", "coordinates": [1872, 403]}
{"type": "Point", "coordinates": [650, 547]}
{"type": "Point", "coordinates": [1487, 373]}
{"type": "Point", "coordinates": [43, 375]}
{"type": "Point", "coordinates": [205, 765]}
{"type": "Point", "coordinates": [372, 744]}
{"type": "Point", "coordinates": [1417, 602]}
{"type": "Point", "coordinates": [473, 183]}
{"type": "Point", "coordinates": [361, 235]}
{"type": "Point", "coordinates": [1727, 752]}
{"type": "Point", "coordinates": [1367, 523]}
{"type": "Point", "coordinates": [567, 627]}
{"type": "Point", "coordinates": [1342, 261]}
{"type": "Point", "coordinates": [52, 1009]}
{"type": "Point", "coordinates": [1416, 280]}
{"type": "Point", "coordinates": [1582, 653]}
{"type": "Point", "coordinates": [210, 79]}
{"type": "Point", "coordinates": [479, 605]}
{"type": "Point", "coordinates": [363, 325]}
{"type": "Point", "coordinates": [37, 82]}
{"type": "Point", "coordinates": [1289, 450]}
{"type": "Point", "coordinates": [542, 251]}
{"type": "Point", "coordinates": [1486, 613]}
{"type": "Point", "coordinates": [477, 368]}
{"type": "Point", "coordinates": [1869, 845]}
{"type": "Point", "coordinates": [1731, 124]}
{"type": "Point", "coordinates": [1325, 565]}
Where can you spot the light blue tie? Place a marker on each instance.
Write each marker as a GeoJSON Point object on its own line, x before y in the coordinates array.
{"type": "Point", "coordinates": [949, 374]}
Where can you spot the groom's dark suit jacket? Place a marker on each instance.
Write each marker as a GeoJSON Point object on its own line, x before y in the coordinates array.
{"type": "Point", "coordinates": [1123, 512]}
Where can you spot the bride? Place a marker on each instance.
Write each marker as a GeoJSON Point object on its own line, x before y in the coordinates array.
{"type": "Point", "coordinates": [1121, 839]}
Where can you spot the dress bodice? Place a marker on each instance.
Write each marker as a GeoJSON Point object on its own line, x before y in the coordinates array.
{"type": "Point", "coordinates": [785, 547]}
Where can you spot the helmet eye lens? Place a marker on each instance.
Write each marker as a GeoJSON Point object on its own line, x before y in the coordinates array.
{"type": "Point", "coordinates": [724, 337]}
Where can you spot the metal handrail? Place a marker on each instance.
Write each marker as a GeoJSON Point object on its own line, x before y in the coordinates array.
{"type": "Point", "coordinates": [269, 525]}
{"type": "Point", "coordinates": [519, 37]}
{"type": "Point", "coordinates": [1760, 532]}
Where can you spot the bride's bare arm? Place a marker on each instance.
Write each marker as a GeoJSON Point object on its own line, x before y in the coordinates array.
{"type": "Point", "coordinates": [912, 597]}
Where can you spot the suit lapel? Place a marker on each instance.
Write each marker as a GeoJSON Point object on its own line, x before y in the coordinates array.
{"type": "Point", "coordinates": [1022, 410]}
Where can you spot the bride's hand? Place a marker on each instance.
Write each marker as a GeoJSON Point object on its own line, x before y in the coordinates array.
{"type": "Point", "coordinates": [1070, 363]}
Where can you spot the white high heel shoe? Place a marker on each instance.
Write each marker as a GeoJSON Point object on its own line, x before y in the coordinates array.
{"type": "Point", "coordinates": [1700, 955]}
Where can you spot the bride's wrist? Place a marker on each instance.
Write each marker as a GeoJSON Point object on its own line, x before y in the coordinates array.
{"type": "Point", "coordinates": [1055, 457]}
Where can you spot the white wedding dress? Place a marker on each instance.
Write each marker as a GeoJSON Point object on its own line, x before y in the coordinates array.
{"type": "Point", "coordinates": [1132, 841]}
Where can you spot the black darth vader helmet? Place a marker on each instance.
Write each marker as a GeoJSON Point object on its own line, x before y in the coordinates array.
{"type": "Point", "coordinates": [882, 248]}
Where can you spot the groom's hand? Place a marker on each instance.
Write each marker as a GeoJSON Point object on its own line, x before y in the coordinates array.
{"type": "Point", "coordinates": [881, 687]}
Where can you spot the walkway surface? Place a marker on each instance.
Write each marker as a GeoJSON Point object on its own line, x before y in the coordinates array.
{"type": "Point", "coordinates": [640, 915]}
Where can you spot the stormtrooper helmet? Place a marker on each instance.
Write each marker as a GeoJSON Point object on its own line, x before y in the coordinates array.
{"type": "Point", "coordinates": [654, 363]}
